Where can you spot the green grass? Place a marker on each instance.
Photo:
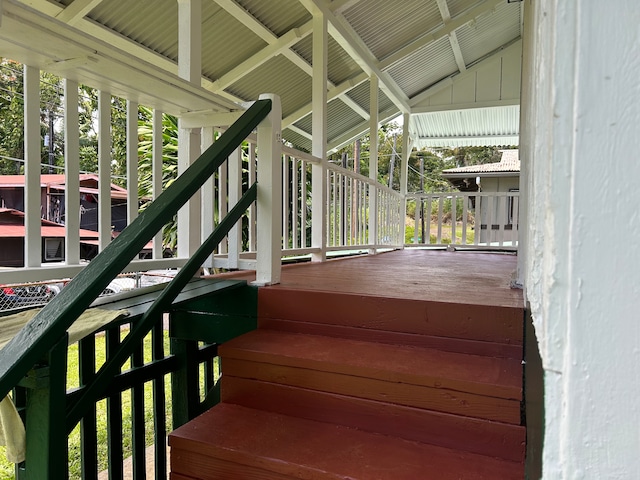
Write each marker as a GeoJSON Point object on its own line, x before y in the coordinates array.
{"type": "Point", "coordinates": [7, 469]}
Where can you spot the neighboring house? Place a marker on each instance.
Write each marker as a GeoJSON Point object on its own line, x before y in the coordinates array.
{"type": "Point", "coordinates": [502, 176]}
{"type": "Point", "coordinates": [12, 233]}
{"type": "Point", "coordinates": [53, 190]}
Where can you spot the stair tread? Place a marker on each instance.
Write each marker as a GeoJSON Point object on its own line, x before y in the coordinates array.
{"type": "Point", "coordinates": [306, 449]}
{"type": "Point", "coordinates": [496, 377]}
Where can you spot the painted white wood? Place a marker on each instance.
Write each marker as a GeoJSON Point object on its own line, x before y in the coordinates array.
{"type": "Point", "coordinates": [223, 204]}
{"type": "Point", "coordinates": [373, 159]}
{"type": "Point", "coordinates": [132, 161]}
{"type": "Point", "coordinates": [582, 281]}
{"type": "Point", "coordinates": [104, 169]}
{"type": "Point", "coordinates": [269, 200]}
{"type": "Point", "coordinates": [208, 196]}
{"type": "Point", "coordinates": [252, 209]}
{"type": "Point", "coordinates": [156, 173]}
{"type": "Point", "coordinates": [235, 191]}
{"type": "Point", "coordinates": [32, 189]}
{"type": "Point", "coordinates": [304, 196]}
{"type": "Point", "coordinates": [76, 10]}
{"type": "Point", "coordinates": [72, 172]}
{"type": "Point", "coordinates": [319, 130]}
{"type": "Point", "coordinates": [288, 185]}
{"type": "Point", "coordinates": [189, 68]}
{"type": "Point", "coordinates": [295, 201]}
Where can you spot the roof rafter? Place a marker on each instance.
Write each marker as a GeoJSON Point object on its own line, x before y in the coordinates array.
{"type": "Point", "coordinates": [276, 45]}
{"type": "Point", "coordinates": [77, 10]}
{"type": "Point", "coordinates": [453, 37]}
{"type": "Point", "coordinates": [351, 42]}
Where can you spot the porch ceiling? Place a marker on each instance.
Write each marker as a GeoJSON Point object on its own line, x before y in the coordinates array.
{"type": "Point", "coordinates": [253, 46]}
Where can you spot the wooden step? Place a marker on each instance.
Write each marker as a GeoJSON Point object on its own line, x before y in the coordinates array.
{"type": "Point", "coordinates": [449, 321]}
{"type": "Point", "coordinates": [461, 384]}
{"type": "Point", "coordinates": [474, 435]}
{"type": "Point", "coordinates": [231, 442]}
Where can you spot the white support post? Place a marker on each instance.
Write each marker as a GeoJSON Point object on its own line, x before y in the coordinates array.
{"type": "Point", "coordinates": [72, 173]}
{"type": "Point", "coordinates": [132, 161]}
{"type": "Point", "coordinates": [104, 169]}
{"type": "Point", "coordinates": [32, 196]}
{"type": "Point", "coordinates": [373, 163]}
{"type": "Point", "coordinates": [208, 196]}
{"type": "Point", "coordinates": [319, 140]}
{"type": "Point", "coordinates": [156, 174]}
{"type": "Point", "coordinates": [235, 191]}
{"type": "Point", "coordinates": [404, 171]}
{"type": "Point", "coordinates": [190, 69]}
{"type": "Point", "coordinates": [269, 199]}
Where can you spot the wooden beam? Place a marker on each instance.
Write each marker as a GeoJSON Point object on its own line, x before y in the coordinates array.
{"type": "Point", "coordinates": [453, 37]}
{"type": "Point", "coordinates": [77, 10]}
{"type": "Point", "coordinates": [429, 38]}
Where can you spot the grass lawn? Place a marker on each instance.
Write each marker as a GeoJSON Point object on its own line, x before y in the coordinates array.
{"type": "Point", "coordinates": [7, 469]}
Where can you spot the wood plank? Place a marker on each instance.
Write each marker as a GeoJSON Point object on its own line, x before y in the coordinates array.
{"type": "Point", "coordinates": [441, 319]}
{"type": "Point", "coordinates": [452, 431]}
{"type": "Point", "coordinates": [316, 451]}
{"type": "Point", "coordinates": [472, 347]}
{"type": "Point", "coordinates": [392, 363]}
{"type": "Point", "coordinates": [418, 396]}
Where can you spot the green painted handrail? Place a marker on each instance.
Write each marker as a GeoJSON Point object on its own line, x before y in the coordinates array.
{"type": "Point", "coordinates": [101, 381]}
{"type": "Point", "coordinates": [52, 322]}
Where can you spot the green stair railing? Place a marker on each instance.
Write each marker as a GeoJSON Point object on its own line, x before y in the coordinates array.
{"type": "Point", "coordinates": [51, 324]}
{"type": "Point", "coordinates": [36, 357]}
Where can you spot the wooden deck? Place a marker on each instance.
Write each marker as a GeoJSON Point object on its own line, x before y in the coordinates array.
{"type": "Point", "coordinates": [397, 366]}
{"type": "Point", "coordinates": [427, 275]}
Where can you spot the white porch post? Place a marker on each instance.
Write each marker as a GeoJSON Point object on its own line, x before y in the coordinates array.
{"type": "Point", "coordinates": [319, 140]}
{"type": "Point", "coordinates": [189, 68]}
{"type": "Point", "coordinates": [373, 162]}
{"type": "Point", "coordinates": [132, 161]}
{"type": "Point", "coordinates": [156, 173]}
{"type": "Point", "coordinates": [32, 194]}
{"type": "Point", "coordinates": [104, 169]}
{"type": "Point", "coordinates": [72, 172]}
{"type": "Point", "coordinates": [269, 197]}
{"type": "Point", "coordinates": [407, 146]}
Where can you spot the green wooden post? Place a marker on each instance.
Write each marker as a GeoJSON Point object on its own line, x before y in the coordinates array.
{"type": "Point", "coordinates": [46, 454]}
{"type": "Point", "coordinates": [185, 387]}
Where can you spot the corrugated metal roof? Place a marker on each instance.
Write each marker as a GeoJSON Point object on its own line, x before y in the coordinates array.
{"type": "Point", "coordinates": [125, 30]}
{"type": "Point", "coordinates": [470, 127]}
{"type": "Point", "coordinates": [489, 31]}
{"type": "Point", "coordinates": [386, 26]}
{"type": "Point", "coordinates": [509, 163]}
{"type": "Point", "coordinates": [425, 67]}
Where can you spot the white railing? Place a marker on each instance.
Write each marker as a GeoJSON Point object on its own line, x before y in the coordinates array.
{"type": "Point", "coordinates": [480, 219]}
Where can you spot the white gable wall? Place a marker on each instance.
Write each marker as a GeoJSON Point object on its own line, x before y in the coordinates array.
{"type": "Point", "coordinates": [579, 142]}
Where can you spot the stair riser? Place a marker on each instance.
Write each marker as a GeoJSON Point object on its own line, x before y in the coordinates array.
{"type": "Point", "coordinates": [436, 399]}
{"type": "Point", "coordinates": [463, 433]}
{"type": "Point", "coordinates": [458, 345]}
{"type": "Point", "coordinates": [204, 467]}
{"type": "Point", "coordinates": [439, 319]}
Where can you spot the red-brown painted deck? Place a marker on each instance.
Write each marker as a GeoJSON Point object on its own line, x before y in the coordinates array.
{"type": "Point", "coordinates": [403, 365]}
